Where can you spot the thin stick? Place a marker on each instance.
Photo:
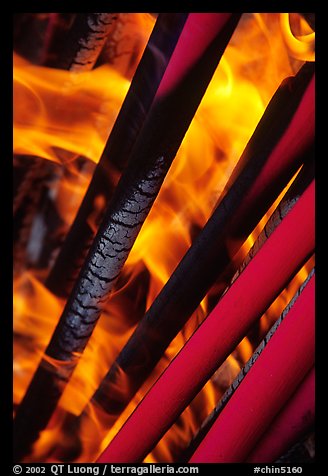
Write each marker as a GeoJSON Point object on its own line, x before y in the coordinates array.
{"type": "Point", "coordinates": [250, 295]}
{"type": "Point", "coordinates": [186, 78]}
{"type": "Point", "coordinates": [78, 49]}
{"type": "Point", "coordinates": [114, 158]}
{"type": "Point", "coordinates": [282, 365]}
{"type": "Point", "coordinates": [210, 420]}
{"type": "Point", "coordinates": [279, 145]}
{"type": "Point", "coordinates": [301, 182]}
{"type": "Point", "coordinates": [78, 40]}
{"type": "Point", "coordinates": [294, 421]}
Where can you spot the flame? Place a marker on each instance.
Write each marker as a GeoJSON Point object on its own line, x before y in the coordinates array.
{"type": "Point", "coordinates": [58, 116]}
{"type": "Point", "coordinates": [300, 46]}
{"type": "Point", "coordinates": [50, 110]}
{"type": "Point", "coordinates": [35, 310]}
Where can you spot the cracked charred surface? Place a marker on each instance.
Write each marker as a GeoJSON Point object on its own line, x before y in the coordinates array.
{"type": "Point", "coordinates": [103, 265]}
{"type": "Point", "coordinates": [76, 47]}
{"type": "Point", "coordinates": [104, 262]}
{"type": "Point", "coordinates": [115, 156]}
{"type": "Point", "coordinates": [152, 155]}
{"type": "Point", "coordinates": [98, 27]}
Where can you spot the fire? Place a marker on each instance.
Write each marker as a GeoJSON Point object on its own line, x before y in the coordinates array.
{"type": "Point", "coordinates": [36, 311]}
{"type": "Point", "coordinates": [59, 116]}
{"type": "Point", "coordinates": [49, 113]}
{"type": "Point", "coordinates": [301, 45]}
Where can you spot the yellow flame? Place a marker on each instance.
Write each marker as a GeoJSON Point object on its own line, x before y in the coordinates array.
{"type": "Point", "coordinates": [55, 109]}
{"type": "Point", "coordinates": [301, 47]}
{"type": "Point", "coordinates": [59, 115]}
{"type": "Point", "coordinates": [35, 310]}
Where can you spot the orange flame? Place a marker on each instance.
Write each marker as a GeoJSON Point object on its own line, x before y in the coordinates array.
{"type": "Point", "coordinates": [59, 115]}
{"type": "Point", "coordinates": [301, 46]}
{"type": "Point", "coordinates": [50, 110]}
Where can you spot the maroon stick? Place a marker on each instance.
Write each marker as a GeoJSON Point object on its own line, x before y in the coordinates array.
{"type": "Point", "coordinates": [184, 83]}
{"type": "Point", "coordinates": [267, 274]}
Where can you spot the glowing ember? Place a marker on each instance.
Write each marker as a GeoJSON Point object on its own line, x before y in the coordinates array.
{"type": "Point", "coordinates": [59, 116]}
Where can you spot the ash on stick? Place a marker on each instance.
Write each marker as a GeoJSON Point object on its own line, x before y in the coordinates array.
{"type": "Point", "coordinates": [78, 48]}
{"type": "Point", "coordinates": [72, 42]}
{"type": "Point", "coordinates": [114, 158]}
{"type": "Point", "coordinates": [183, 85]}
{"type": "Point", "coordinates": [284, 253]}
{"type": "Point", "coordinates": [257, 181]}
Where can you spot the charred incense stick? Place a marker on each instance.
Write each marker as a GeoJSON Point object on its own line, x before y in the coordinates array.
{"type": "Point", "coordinates": [186, 78]}
{"type": "Point", "coordinates": [77, 48]}
{"type": "Point", "coordinates": [114, 159]}
{"type": "Point", "coordinates": [130, 119]}
{"type": "Point", "coordinates": [289, 246]}
{"type": "Point", "coordinates": [81, 45]}
{"type": "Point", "coordinates": [272, 156]}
